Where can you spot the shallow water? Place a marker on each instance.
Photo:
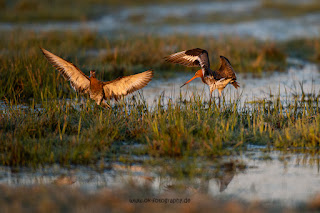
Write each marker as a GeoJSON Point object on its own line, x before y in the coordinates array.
{"type": "Point", "coordinates": [193, 19]}
{"type": "Point", "coordinates": [287, 179]}
{"type": "Point", "coordinates": [262, 29]}
{"type": "Point", "coordinates": [155, 13]}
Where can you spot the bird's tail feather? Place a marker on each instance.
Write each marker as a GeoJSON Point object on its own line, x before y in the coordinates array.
{"type": "Point", "coordinates": [235, 84]}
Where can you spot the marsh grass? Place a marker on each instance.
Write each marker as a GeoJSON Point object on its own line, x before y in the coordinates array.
{"type": "Point", "coordinates": [289, 9]}
{"type": "Point", "coordinates": [68, 132]}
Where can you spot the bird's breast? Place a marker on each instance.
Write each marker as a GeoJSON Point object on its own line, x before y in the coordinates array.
{"type": "Point", "coordinates": [209, 80]}
{"type": "Point", "coordinates": [96, 87]}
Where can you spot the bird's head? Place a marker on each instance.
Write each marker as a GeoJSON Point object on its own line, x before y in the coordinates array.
{"type": "Point", "coordinates": [199, 74]}
{"type": "Point", "coordinates": [92, 73]}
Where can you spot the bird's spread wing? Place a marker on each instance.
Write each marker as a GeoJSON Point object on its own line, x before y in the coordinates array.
{"type": "Point", "coordinates": [78, 80]}
{"type": "Point", "coordinates": [225, 71]}
{"type": "Point", "coordinates": [190, 58]}
{"type": "Point", "coordinates": [125, 85]}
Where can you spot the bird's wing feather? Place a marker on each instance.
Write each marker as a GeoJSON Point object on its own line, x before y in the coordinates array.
{"type": "Point", "coordinates": [125, 85]}
{"type": "Point", "coordinates": [190, 58]}
{"type": "Point", "coordinates": [78, 80]}
{"type": "Point", "coordinates": [225, 71]}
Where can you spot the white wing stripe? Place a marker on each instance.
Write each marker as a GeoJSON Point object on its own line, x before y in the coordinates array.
{"type": "Point", "coordinates": [191, 58]}
{"type": "Point", "coordinates": [195, 58]}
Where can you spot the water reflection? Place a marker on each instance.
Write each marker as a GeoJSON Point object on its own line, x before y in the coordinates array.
{"type": "Point", "coordinates": [225, 177]}
{"type": "Point", "coordinates": [278, 179]}
{"type": "Point", "coordinates": [254, 175]}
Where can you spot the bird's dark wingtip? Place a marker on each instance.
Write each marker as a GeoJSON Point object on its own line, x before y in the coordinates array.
{"type": "Point", "coordinates": [236, 84]}
{"type": "Point", "coordinates": [223, 57]}
{"type": "Point", "coordinates": [43, 51]}
{"type": "Point", "coordinates": [166, 59]}
{"type": "Point", "coordinates": [151, 71]}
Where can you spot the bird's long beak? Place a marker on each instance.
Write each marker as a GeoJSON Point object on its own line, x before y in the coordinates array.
{"type": "Point", "coordinates": [194, 77]}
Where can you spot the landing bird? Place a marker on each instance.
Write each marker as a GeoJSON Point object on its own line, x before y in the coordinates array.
{"type": "Point", "coordinates": [99, 91]}
{"type": "Point", "coordinates": [217, 79]}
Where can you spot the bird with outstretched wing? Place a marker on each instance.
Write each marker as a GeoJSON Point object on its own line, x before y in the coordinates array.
{"type": "Point", "coordinates": [215, 79]}
{"type": "Point", "coordinates": [98, 90]}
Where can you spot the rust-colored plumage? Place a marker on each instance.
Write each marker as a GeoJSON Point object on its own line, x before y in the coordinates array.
{"type": "Point", "coordinates": [217, 79]}
{"type": "Point", "coordinates": [99, 91]}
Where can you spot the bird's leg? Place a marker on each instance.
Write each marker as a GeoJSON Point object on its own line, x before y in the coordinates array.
{"type": "Point", "coordinates": [83, 101]}
{"type": "Point", "coordinates": [220, 94]}
{"type": "Point", "coordinates": [103, 104]}
{"type": "Point", "coordinates": [210, 99]}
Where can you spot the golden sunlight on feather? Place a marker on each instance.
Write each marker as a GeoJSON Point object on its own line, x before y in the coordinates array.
{"type": "Point", "coordinates": [98, 90]}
